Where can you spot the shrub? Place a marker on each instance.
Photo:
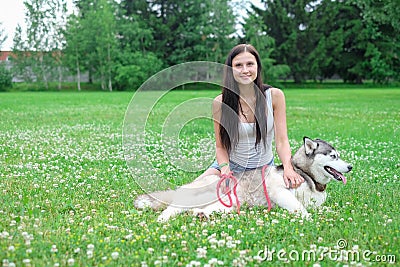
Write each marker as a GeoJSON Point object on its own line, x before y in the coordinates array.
{"type": "Point", "coordinates": [138, 68]}
{"type": "Point", "coordinates": [5, 78]}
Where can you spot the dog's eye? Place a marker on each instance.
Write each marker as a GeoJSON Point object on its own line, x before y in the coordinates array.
{"type": "Point", "coordinates": [334, 156]}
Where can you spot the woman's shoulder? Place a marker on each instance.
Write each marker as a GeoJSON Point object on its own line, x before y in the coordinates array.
{"type": "Point", "coordinates": [217, 102]}
{"type": "Point", "coordinates": [274, 91]}
{"type": "Point", "coordinates": [218, 98]}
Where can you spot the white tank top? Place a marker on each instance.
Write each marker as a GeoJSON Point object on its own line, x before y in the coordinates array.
{"type": "Point", "coordinates": [246, 154]}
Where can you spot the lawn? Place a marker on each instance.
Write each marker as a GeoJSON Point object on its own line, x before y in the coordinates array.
{"type": "Point", "coordinates": [71, 165]}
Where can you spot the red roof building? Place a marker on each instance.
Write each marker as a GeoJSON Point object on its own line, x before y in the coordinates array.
{"type": "Point", "coordinates": [5, 55]}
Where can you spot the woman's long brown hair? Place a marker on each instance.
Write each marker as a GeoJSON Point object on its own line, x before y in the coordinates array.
{"type": "Point", "coordinates": [229, 130]}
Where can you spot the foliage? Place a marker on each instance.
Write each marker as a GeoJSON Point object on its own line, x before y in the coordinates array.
{"type": "Point", "coordinates": [97, 53]}
{"type": "Point", "coordinates": [5, 74]}
{"type": "Point", "coordinates": [68, 194]}
{"type": "Point", "coordinates": [131, 76]}
{"type": "Point", "coordinates": [383, 25]}
{"type": "Point", "coordinates": [287, 22]}
{"type": "Point", "coordinates": [3, 36]}
{"type": "Point", "coordinates": [38, 50]}
{"type": "Point", "coordinates": [356, 40]}
{"type": "Point", "coordinates": [300, 40]}
{"type": "Point", "coordinates": [255, 32]}
{"type": "Point", "coordinates": [192, 30]}
{"type": "Point", "coordinates": [5, 77]}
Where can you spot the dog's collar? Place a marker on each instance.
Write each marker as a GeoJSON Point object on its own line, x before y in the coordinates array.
{"type": "Point", "coordinates": [310, 180]}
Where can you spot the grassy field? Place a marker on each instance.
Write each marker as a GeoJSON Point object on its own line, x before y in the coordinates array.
{"type": "Point", "coordinates": [67, 191]}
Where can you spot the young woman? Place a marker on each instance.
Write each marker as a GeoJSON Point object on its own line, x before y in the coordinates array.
{"type": "Point", "coordinates": [248, 116]}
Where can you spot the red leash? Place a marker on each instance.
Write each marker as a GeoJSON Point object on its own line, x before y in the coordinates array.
{"type": "Point", "coordinates": [265, 187]}
{"type": "Point", "coordinates": [227, 177]}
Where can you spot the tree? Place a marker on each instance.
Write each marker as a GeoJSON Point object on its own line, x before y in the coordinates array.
{"type": "Point", "coordinates": [187, 29]}
{"type": "Point", "coordinates": [3, 36]}
{"type": "Point", "coordinates": [135, 62]}
{"type": "Point", "coordinates": [38, 50]}
{"type": "Point", "coordinates": [328, 40]}
{"type": "Point", "coordinates": [255, 32]}
{"type": "Point", "coordinates": [74, 50]}
{"type": "Point", "coordinates": [288, 24]}
{"type": "Point", "coordinates": [5, 74]}
{"type": "Point", "coordinates": [383, 26]}
{"type": "Point", "coordinates": [217, 31]}
{"type": "Point", "coordinates": [57, 45]}
{"type": "Point", "coordinates": [103, 20]}
{"type": "Point", "coordinates": [347, 47]}
{"type": "Point", "coordinates": [92, 40]}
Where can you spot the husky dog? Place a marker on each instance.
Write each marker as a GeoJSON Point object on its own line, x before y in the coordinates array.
{"type": "Point", "coordinates": [316, 161]}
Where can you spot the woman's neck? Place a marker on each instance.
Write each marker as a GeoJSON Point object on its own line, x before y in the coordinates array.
{"type": "Point", "coordinates": [247, 91]}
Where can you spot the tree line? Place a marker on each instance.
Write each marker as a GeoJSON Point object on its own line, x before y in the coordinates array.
{"type": "Point", "coordinates": [120, 44]}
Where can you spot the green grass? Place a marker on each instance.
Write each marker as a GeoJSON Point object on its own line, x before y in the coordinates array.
{"type": "Point", "coordinates": [67, 192]}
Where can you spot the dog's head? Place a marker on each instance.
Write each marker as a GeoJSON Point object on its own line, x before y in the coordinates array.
{"type": "Point", "coordinates": [321, 161]}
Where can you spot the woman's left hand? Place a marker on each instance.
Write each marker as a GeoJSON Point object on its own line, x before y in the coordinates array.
{"type": "Point", "coordinates": [291, 178]}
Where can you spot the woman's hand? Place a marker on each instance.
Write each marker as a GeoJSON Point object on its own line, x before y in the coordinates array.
{"type": "Point", "coordinates": [225, 186]}
{"type": "Point", "coordinates": [291, 178]}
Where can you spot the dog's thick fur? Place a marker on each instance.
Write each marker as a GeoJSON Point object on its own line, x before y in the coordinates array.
{"type": "Point", "coordinates": [316, 161]}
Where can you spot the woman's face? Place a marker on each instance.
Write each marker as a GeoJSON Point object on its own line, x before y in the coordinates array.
{"type": "Point", "coordinates": [244, 67]}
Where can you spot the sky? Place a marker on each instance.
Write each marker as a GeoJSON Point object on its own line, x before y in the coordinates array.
{"type": "Point", "coordinates": [12, 13]}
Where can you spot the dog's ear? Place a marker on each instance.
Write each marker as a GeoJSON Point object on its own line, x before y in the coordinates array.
{"type": "Point", "coordinates": [309, 145]}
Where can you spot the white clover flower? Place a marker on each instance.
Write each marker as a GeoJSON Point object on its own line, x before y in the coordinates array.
{"type": "Point", "coordinates": [221, 243]}
{"type": "Point", "coordinates": [230, 244]}
{"type": "Point", "coordinates": [89, 254]}
{"type": "Point", "coordinates": [275, 221]}
{"type": "Point", "coordinates": [114, 255]}
{"type": "Point", "coordinates": [128, 237]}
{"type": "Point", "coordinates": [70, 262]}
{"type": "Point", "coordinates": [194, 264]}
{"type": "Point", "coordinates": [163, 238]}
{"type": "Point", "coordinates": [201, 252]}
{"type": "Point", "coordinates": [4, 234]}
